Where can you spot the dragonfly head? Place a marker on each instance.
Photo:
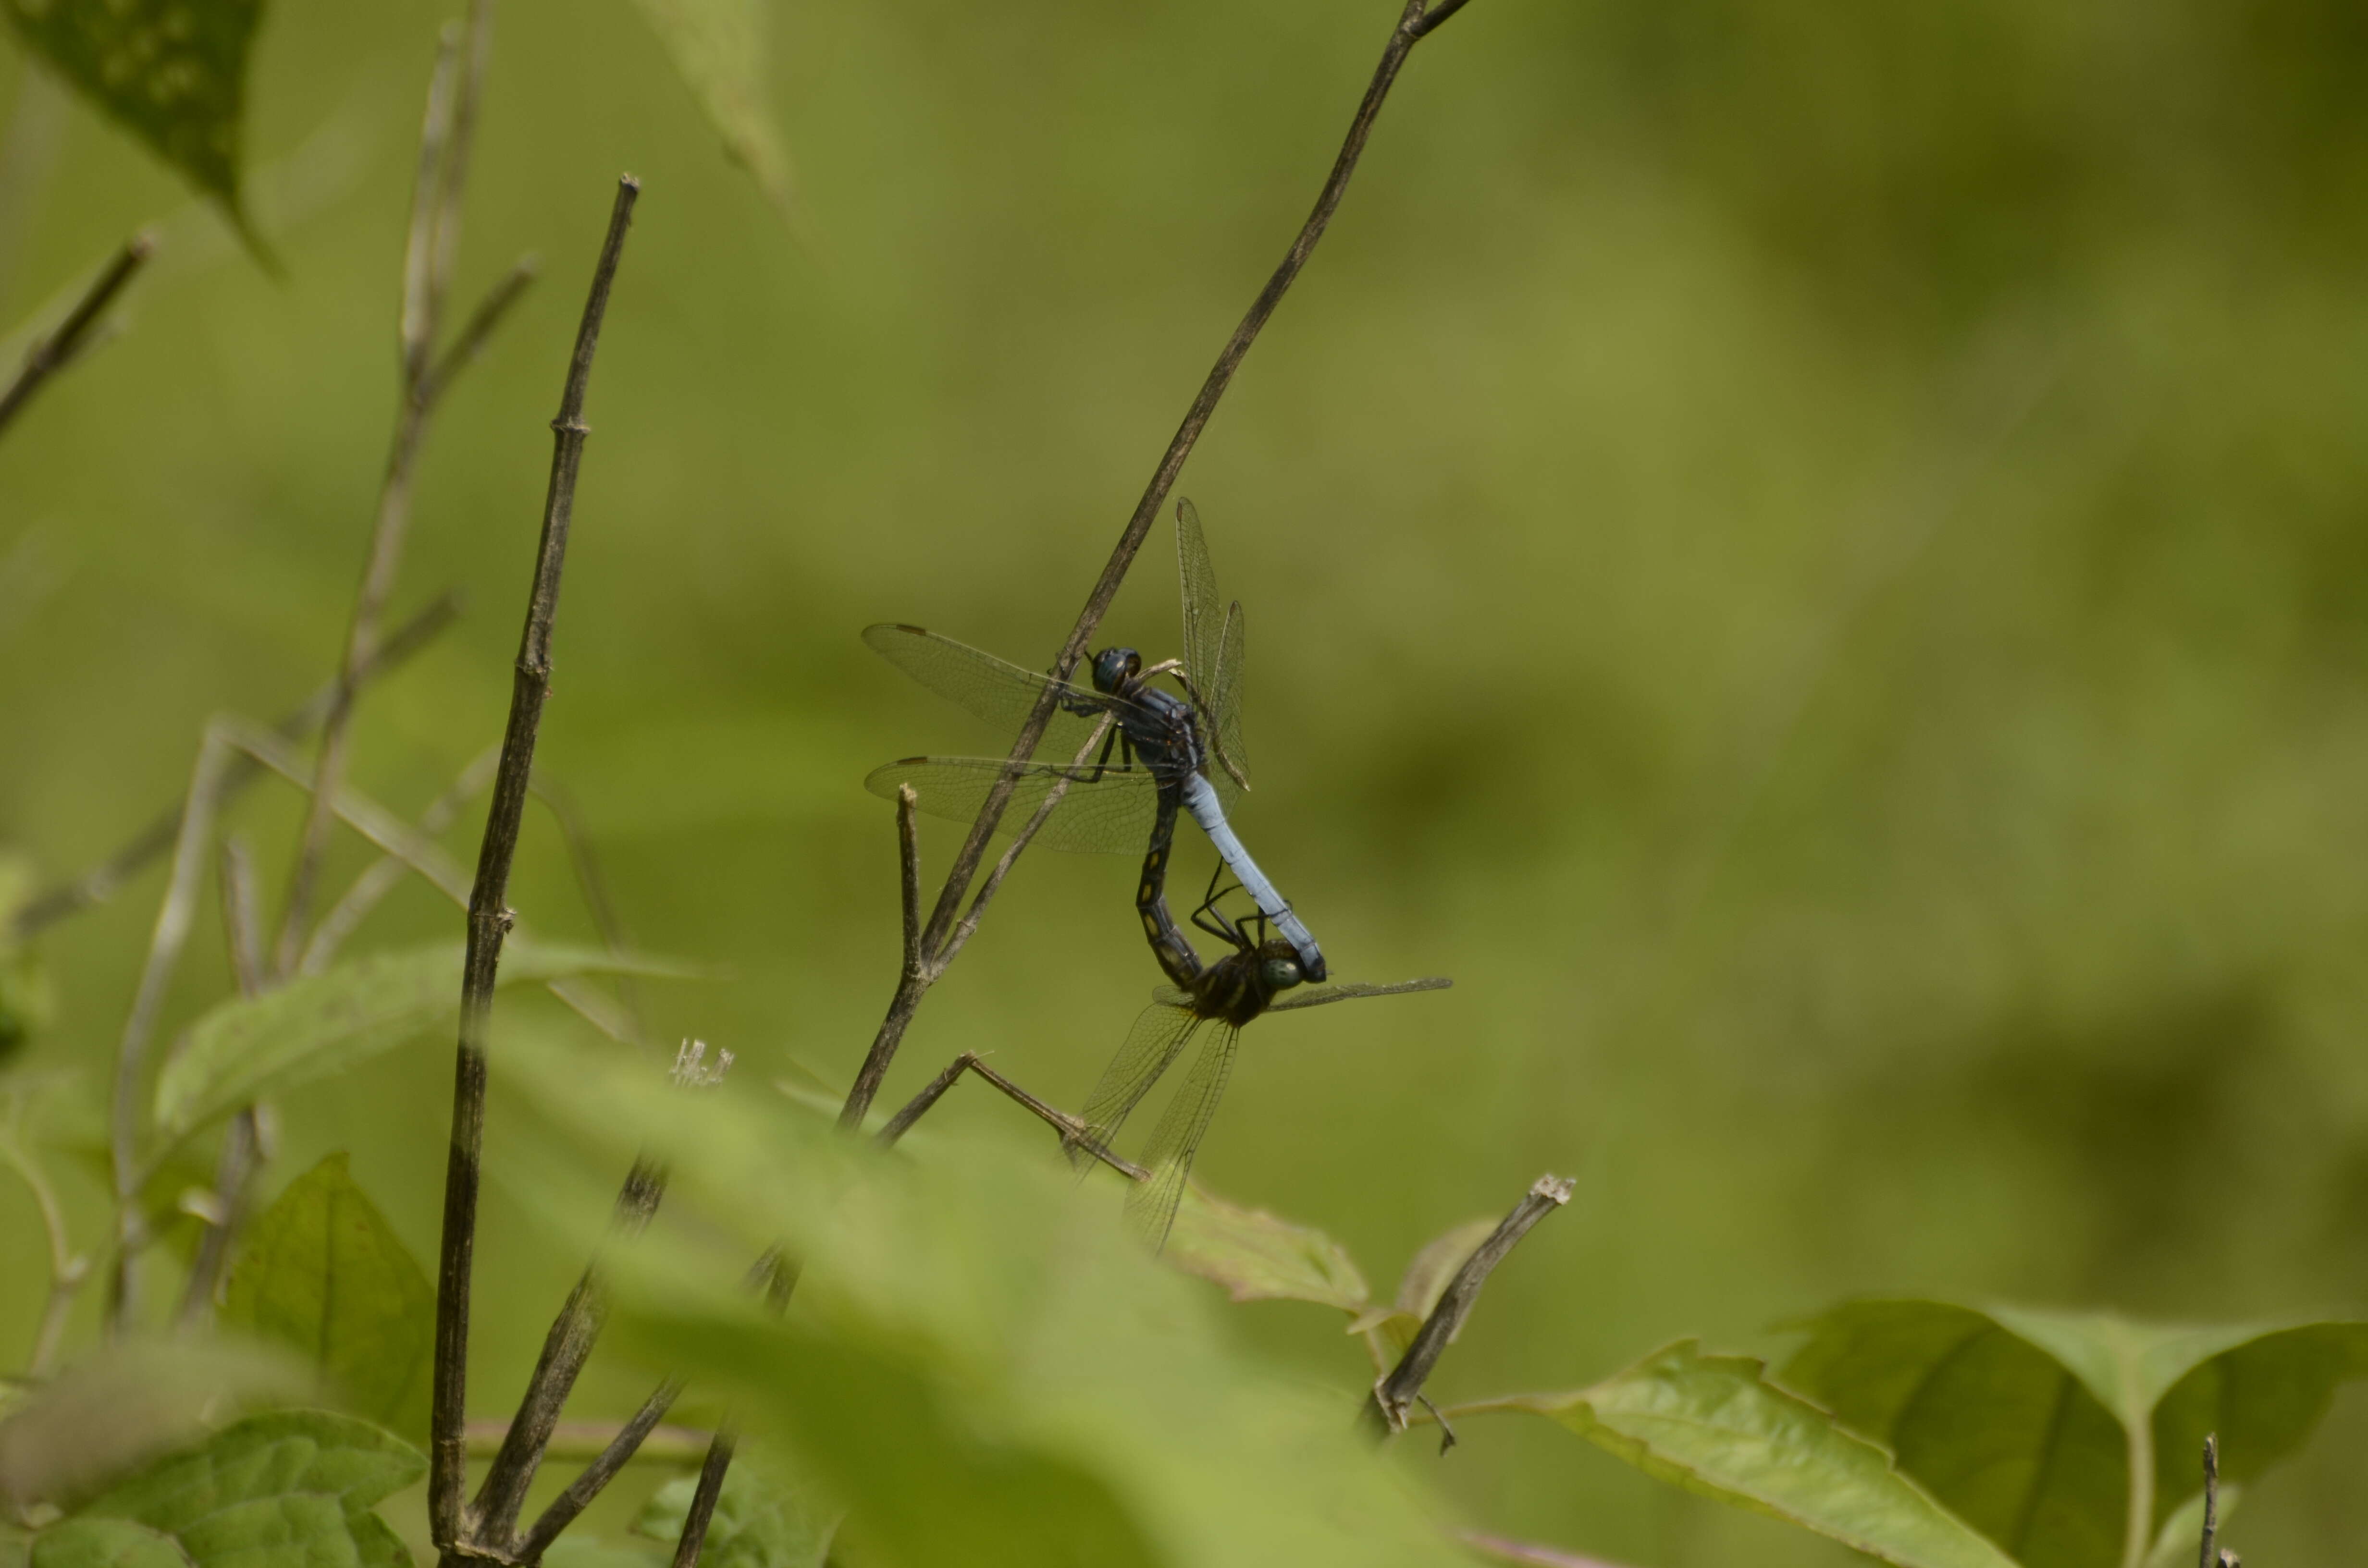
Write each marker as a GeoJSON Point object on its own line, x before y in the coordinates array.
{"type": "Point", "coordinates": [1114, 667]}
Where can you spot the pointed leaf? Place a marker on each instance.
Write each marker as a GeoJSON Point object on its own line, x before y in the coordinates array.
{"type": "Point", "coordinates": [106, 1543]}
{"type": "Point", "coordinates": [171, 71]}
{"type": "Point", "coordinates": [764, 1516]}
{"type": "Point", "coordinates": [289, 1490]}
{"type": "Point", "coordinates": [1715, 1426]}
{"type": "Point", "coordinates": [1258, 1257]}
{"type": "Point", "coordinates": [2024, 1422]}
{"type": "Point", "coordinates": [322, 1024]}
{"type": "Point", "coordinates": [321, 1270]}
{"type": "Point", "coordinates": [719, 48]}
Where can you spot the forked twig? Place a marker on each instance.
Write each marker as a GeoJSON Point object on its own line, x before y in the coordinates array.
{"type": "Point", "coordinates": [1075, 1134]}
{"type": "Point", "coordinates": [489, 917]}
{"type": "Point", "coordinates": [1395, 1395]}
{"type": "Point", "coordinates": [99, 883]}
{"type": "Point", "coordinates": [1416, 22]}
{"type": "Point", "coordinates": [54, 351]}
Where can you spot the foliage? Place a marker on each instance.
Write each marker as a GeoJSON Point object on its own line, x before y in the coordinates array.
{"type": "Point", "coordinates": [2031, 1425]}
{"type": "Point", "coordinates": [321, 1271]}
{"type": "Point", "coordinates": [764, 1517]}
{"type": "Point", "coordinates": [977, 1349]}
{"type": "Point", "coordinates": [288, 1490]}
{"type": "Point", "coordinates": [319, 1024]}
{"type": "Point", "coordinates": [171, 71]}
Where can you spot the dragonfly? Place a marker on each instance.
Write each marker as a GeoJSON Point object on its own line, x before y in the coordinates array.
{"type": "Point", "coordinates": [1246, 983]}
{"type": "Point", "coordinates": [1172, 754]}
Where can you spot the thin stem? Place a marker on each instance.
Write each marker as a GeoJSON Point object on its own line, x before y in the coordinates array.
{"type": "Point", "coordinates": [565, 1348]}
{"type": "Point", "coordinates": [444, 144]}
{"type": "Point", "coordinates": [908, 848]}
{"type": "Point", "coordinates": [2209, 1556]}
{"type": "Point", "coordinates": [67, 1270]}
{"type": "Point", "coordinates": [1027, 835]}
{"type": "Point", "coordinates": [100, 882]}
{"type": "Point", "coordinates": [688, 1545]}
{"type": "Point", "coordinates": [1394, 1395]}
{"type": "Point", "coordinates": [241, 1144]}
{"type": "Point", "coordinates": [489, 916]}
{"type": "Point", "coordinates": [1073, 1130]}
{"type": "Point", "coordinates": [1414, 23]}
{"type": "Point", "coordinates": [640, 1438]}
{"type": "Point", "coordinates": [54, 352]}
{"type": "Point", "coordinates": [235, 878]}
{"type": "Point", "coordinates": [347, 914]}
{"type": "Point", "coordinates": [174, 916]}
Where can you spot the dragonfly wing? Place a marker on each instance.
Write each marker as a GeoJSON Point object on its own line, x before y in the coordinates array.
{"type": "Point", "coordinates": [1226, 695]}
{"type": "Point", "coordinates": [1105, 811]}
{"type": "Point", "coordinates": [1151, 1205]}
{"type": "Point", "coordinates": [1000, 693]}
{"type": "Point", "coordinates": [1317, 995]}
{"type": "Point", "coordinates": [1204, 610]}
{"type": "Point", "coordinates": [1158, 1037]}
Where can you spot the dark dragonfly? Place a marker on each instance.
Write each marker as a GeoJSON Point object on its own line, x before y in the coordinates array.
{"type": "Point", "coordinates": [1136, 753]}
{"type": "Point", "coordinates": [1250, 981]}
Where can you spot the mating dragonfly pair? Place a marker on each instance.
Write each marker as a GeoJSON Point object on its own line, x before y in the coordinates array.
{"type": "Point", "coordinates": [1138, 757]}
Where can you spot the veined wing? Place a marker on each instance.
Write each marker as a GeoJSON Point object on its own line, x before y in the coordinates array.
{"type": "Point", "coordinates": [1211, 633]}
{"type": "Point", "coordinates": [1106, 810]}
{"type": "Point", "coordinates": [1157, 1038]}
{"type": "Point", "coordinates": [1317, 995]}
{"type": "Point", "coordinates": [1151, 1204]}
{"type": "Point", "coordinates": [995, 690]}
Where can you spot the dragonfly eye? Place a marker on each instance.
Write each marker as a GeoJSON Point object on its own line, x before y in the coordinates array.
{"type": "Point", "coordinates": [1280, 974]}
{"type": "Point", "coordinates": [1113, 667]}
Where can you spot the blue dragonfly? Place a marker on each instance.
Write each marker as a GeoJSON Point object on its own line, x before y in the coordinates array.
{"type": "Point", "coordinates": [1258, 976]}
{"type": "Point", "coordinates": [1136, 754]}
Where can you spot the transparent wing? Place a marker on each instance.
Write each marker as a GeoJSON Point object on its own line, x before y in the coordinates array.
{"type": "Point", "coordinates": [1158, 1037]}
{"type": "Point", "coordinates": [1227, 692]}
{"type": "Point", "coordinates": [1209, 632]}
{"type": "Point", "coordinates": [1102, 811]}
{"type": "Point", "coordinates": [1317, 995]}
{"type": "Point", "coordinates": [998, 692]}
{"type": "Point", "coordinates": [1151, 1204]}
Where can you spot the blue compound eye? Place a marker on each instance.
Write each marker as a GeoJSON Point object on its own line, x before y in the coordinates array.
{"type": "Point", "coordinates": [1280, 974]}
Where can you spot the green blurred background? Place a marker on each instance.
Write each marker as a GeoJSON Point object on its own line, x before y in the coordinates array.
{"type": "Point", "coordinates": [1813, 558]}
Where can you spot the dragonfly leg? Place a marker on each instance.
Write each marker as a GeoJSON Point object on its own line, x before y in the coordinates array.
{"type": "Point", "coordinates": [1101, 763]}
{"type": "Point", "coordinates": [1212, 919]}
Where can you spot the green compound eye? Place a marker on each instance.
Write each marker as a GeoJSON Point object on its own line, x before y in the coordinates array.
{"type": "Point", "coordinates": [1280, 973]}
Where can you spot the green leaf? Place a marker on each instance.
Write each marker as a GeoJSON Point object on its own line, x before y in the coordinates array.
{"type": "Point", "coordinates": [1258, 1257]}
{"type": "Point", "coordinates": [171, 71]}
{"type": "Point", "coordinates": [322, 1024]}
{"type": "Point", "coordinates": [1715, 1426]}
{"type": "Point", "coordinates": [1389, 1330]}
{"type": "Point", "coordinates": [577, 1549]}
{"type": "Point", "coordinates": [763, 1519]}
{"type": "Point", "coordinates": [2027, 1423]}
{"type": "Point", "coordinates": [321, 1270]}
{"type": "Point", "coordinates": [981, 1365]}
{"type": "Point", "coordinates": [719, 48]}
{"type": "Point", "coordinates": [289, 1490]}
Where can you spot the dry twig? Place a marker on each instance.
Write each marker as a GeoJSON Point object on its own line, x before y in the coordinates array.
{"type": "Point", "coordinates": [55, 351]}
{"type": "Point", "coordinates": [490, 919]}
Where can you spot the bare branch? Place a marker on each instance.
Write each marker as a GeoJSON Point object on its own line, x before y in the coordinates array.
{"type": "Point", "coordinates": [2209, 1555]}
{"type": "Point", "coordinates": [235, 877]}
{"type": "Point", "coordinates": [1396, 1394]}
{"type": "Point", "coordinates": [641, 1436]}
{"type": "Point", "coordinates": [688, 1545]}
{"type": "Point", "coordinates": [54, 352]}
{"type": "Point", "coordinates": [471, 340]}
{"type": "Point", "coordinates": [909, 845]}
{"type": "Point", "coordinates": [1027, 835]}
{"type": "Point", "coordinates": [100, 882]}
{"type": "Point", "coordinates": [489, 917]}
{"type": "Point", "coordinates": [416, 326]}
{"type": "Point", "coordinates": [1075, 1134]}
{"type": "Point", "coordinates": [1413, 23]}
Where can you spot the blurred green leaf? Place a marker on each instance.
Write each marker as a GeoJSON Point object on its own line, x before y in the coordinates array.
{"type": "Point", "coordinates": [1389, 1330]}
{"type": "Point", "coordinates": [981, 1366]}
{"type": "Point", "coordinates": [1258, 1257]}
{"type": "Point", "coordinates": [1715, 1426]}
{"type": "Point", "coordinates": [86, 1428]}
{"type": "Point", "coordinates": [578, 1550]}
{"type": "Point", "coordinates": [292, 1488]}
{"type": "Point", "coordinates": [2175, 1544]}
{"type": "Point", "coordinates": [321, 1270]}
{"type": "Point", "coordinates": [322, 1024]}
{"type": "Point", "coordinates": [721, 49]}
{"type": "Point", "coordinates": [171, 71]}
{"type": "Point", "coordinates": [2025, 1423]}
{"type": "Point", "coordinates": [764, 1517]}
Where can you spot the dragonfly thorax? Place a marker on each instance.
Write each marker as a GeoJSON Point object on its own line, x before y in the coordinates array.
{"type": "Point", "coordinates": [1243, 983]}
